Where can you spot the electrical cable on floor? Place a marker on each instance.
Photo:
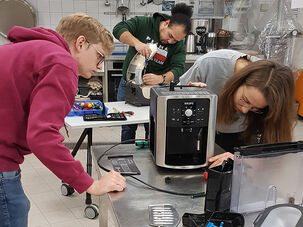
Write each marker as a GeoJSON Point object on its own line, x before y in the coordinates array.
{"type": "Point", "coordinates": [193, 195]}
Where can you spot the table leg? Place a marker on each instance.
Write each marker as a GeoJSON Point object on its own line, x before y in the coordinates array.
{"type": "Point", "coordinates": [103, 207]}
{"type": "Point", "coordinates": [80, 141]}
{"type": "Point", "coordinates": [89, 161]}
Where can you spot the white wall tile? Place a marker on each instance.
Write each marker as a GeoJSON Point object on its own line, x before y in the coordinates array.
{"type": "Point", "coordinates": [53, 27]}
{"type": "Point", "coordinates": [108, 27]}
{"type": "Point", "coordinates": [64, 14]}
{"type": "Point", "coordinates": [43, 19]}
{"type": "Point", "coordinates": [55, 6]}
{"type": "Point", "coordinates": [103, 8]}
{"type": "Point", "coordinates": [104, 19]}
{"type": "Point", "coordinates": [43, 6]}
{"type": "Point", "coordinates": [68, 6]}
{"type": "Point", "coordinates": [113, 6]}
{"type": "Point", "coordinates": [80, 6]}
{"type": "Point", "coordinates": [92, 6]}
{"type": "Point", "coordinates": [94, 15]}
{"type": "Point", "coordinates": [152, 8]}
{"type": "Point", "coordinates": [115, 19]}
{"type": "Point", "coordinates": [49, 12]}
{"type": "Point", "coordinates": [55, 18]}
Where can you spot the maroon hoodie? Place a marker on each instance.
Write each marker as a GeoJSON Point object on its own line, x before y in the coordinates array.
{"type": "Point", "coordinates": [38, 82]}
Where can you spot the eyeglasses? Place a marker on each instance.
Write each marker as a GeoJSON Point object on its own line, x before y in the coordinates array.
{"type": "Point", "coordinates": [101, 56]}
{"type": "Point", "coordinates": [243, 101]}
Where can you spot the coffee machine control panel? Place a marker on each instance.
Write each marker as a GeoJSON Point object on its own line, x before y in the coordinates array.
{"type": "Point", "coordinates": [187, 112]}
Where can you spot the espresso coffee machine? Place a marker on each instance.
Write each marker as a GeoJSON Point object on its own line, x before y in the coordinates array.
{"type": "Point", "coordinates": [182, 126]}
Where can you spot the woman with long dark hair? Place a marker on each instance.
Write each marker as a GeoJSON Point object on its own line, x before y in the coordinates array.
{"type": "Point", "coordinates": [256, 101]}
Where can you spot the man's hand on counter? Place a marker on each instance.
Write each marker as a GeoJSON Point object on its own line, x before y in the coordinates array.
{"type": "Point", "coordinates": [111, 181]}
{"type": "Point", "coordinates": [151, 79]}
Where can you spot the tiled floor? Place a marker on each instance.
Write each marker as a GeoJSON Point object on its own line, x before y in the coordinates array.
{"type": "Point", "coordinates": [48, 207]}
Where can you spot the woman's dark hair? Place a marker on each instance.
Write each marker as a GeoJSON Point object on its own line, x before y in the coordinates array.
{"type": "Point", "coordinates": [180, 15]}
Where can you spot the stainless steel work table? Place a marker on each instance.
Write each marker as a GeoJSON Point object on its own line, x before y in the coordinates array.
{"type": "Point", "coordinates": [130, 207]}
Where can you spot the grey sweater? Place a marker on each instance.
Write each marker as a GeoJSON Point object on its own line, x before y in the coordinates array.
{"type": "Point", "coordinates": [214, 69]}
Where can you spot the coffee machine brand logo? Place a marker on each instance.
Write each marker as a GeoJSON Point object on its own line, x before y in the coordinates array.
{"type": "Point", "coordinates": [188, 103]}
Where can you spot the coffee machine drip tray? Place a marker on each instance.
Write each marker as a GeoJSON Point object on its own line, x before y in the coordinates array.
{"type": "Point", "coordinates": [182, 126]}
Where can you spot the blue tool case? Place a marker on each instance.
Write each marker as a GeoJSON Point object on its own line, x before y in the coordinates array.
{"type": "Point", "coordinates": [87, 107]}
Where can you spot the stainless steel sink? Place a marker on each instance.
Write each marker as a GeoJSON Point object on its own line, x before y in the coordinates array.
{"type": "Point", "coordinates": [283, 215]}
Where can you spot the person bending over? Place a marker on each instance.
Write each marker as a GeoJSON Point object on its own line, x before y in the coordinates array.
{"type": "Point", "coordinates": [38, 85]}
{"type": "Point", "coordinates": [255, 99]}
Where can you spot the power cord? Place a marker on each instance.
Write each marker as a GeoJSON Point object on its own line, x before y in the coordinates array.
{"type": "Point", "coordinates": [193, 195]}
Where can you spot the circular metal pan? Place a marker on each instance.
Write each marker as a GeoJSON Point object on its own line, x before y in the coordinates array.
{"type": "Point", "coordinates": [15, 12]}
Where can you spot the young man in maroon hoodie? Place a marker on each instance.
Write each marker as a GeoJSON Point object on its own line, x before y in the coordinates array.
{"type": "Point", "coordinates": [38, 81]}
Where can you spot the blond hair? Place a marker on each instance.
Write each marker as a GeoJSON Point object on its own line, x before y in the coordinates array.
{"type": "Point", "coordinates": [75, 25]}
{"type": "Point", "coordinates": [276, 83]}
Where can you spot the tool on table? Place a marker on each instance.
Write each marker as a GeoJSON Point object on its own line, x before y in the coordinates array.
{"type": "Point", "coordinates": [116, 110]}
{"type": "Point", "coordinates": [126, 113]}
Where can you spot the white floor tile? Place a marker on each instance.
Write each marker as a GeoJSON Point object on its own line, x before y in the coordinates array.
{"type": "Point", "coordinates": [89, 223]}
{"type": "Point", "coordinates": [78, 212]}
{"type": "Point", "coordinates": [37, 220]}
{"type": "Point", "coordinates": [59, 216]}
{"type": "Point", "coordinates": [48, 202]}
{"type": "Point", "coordinates": [75, 223]}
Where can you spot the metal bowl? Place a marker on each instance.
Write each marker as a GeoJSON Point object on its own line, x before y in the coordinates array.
{"type": "Point", "coordinates": [15, 12]}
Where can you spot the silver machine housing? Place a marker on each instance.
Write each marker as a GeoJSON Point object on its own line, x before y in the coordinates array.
{"type": "Point", "coordinates": [182, 126]}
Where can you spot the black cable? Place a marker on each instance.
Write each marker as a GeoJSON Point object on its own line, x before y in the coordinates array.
{"type": "Point", "coordinates": [202, 194]}
{"type": "Point", "coordinates": [122, 142]}
{"type": "Point", "coordinates": [193, 195]}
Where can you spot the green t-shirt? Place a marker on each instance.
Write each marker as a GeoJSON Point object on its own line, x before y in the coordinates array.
{"type": "Point", "coordinates": [169, 57]}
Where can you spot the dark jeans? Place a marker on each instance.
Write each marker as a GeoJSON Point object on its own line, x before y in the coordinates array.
{"type": "Point", "coordinates": [128, 131]}
{"type": "Point", "coordinates": [229, 140]}
{"type": "Point", "coordinates": [14, 205]}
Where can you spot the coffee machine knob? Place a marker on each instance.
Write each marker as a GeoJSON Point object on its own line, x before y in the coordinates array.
{"type": "Point", "coordinates": [188, 112]}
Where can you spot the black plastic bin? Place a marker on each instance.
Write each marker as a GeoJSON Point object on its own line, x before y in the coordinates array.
{"type": "Point", "coordinates": [218, 190]}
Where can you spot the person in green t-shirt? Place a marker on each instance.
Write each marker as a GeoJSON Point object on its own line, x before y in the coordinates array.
{"type": "Point", "coordinates": [167, 64]}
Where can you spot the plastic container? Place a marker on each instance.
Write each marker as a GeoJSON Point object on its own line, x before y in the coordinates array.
{"type": "Point", "coordinates": [266, 175]}
{"type": "Point", "coordinates": [77, 110]}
